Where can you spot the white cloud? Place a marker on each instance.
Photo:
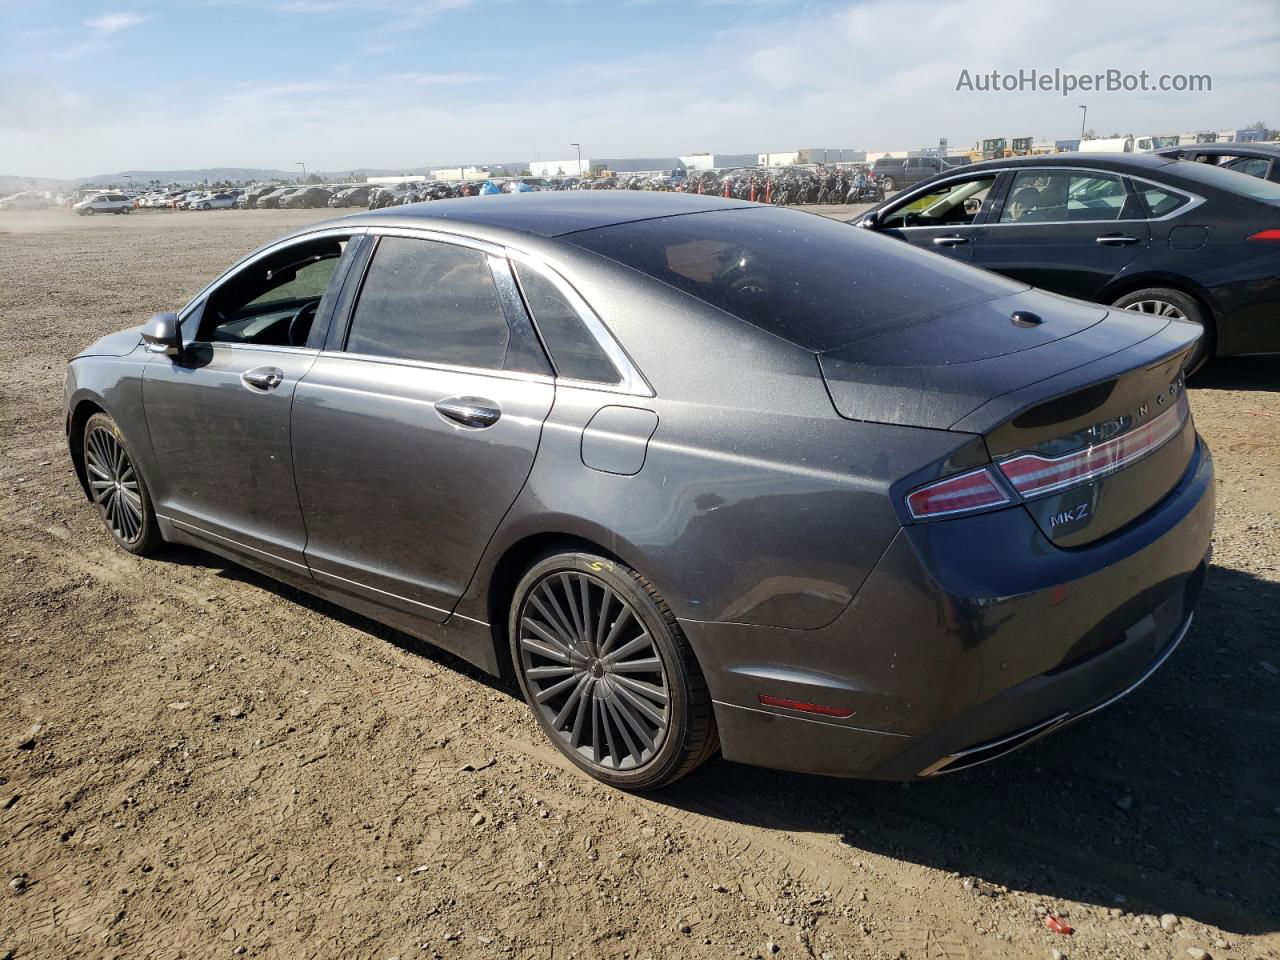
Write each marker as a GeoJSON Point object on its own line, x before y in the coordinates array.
{"type": "Point", "coordinates": [115, 22]}
{"type": "Point", "coordinates": [849, 75]}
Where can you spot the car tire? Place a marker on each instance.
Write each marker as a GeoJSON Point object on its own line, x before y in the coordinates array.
{"type": "Point", "coordinates": [88, 211]}
{"type": "Point", "coordinates": [117, 487]}
{"type": "Point", "coordinates": [608, 673]}
{"type": "Point", "coordinates": [1168, 302]}
{"type": "Point", "coordinates": [888, 184]}
{"type": "Point", "coordinates": [206, 206]}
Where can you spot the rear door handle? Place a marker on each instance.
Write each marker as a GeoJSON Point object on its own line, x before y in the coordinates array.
{"type": "Point", "coordinates": [262, 379]}
{"type": "Point", "coordinates": [952, 241]}
{"type": "Point", "coordinates": [474, 412]}
{"type": "Point", "coordinates": [1115, 240]}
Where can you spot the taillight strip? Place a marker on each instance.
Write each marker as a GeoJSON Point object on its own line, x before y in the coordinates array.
{"type": "Point", "coordinates": [1033, 475]}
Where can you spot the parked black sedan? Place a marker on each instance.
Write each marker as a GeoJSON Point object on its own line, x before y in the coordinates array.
{"type": "Point", "coordinates": [1155, 234]}
{"type": "Point", "coordinates": [698, 473]}
{"type": "Point", "coordinates": [1255, 159]}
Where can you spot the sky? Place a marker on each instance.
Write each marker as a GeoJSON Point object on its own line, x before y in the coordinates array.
{"type": "Point", "coordinates": [96, 87]}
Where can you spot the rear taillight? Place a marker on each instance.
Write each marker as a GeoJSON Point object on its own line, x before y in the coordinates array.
{"type": "Point", "coordinates": [965, 492]}
{"type": "Point", "coordinates": [1266, 236]}
{"type": "Point", "coordinates": [1033, 475]}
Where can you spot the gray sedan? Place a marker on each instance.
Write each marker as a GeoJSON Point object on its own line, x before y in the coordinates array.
{"type": "Point", "coordinates": [698, 474]}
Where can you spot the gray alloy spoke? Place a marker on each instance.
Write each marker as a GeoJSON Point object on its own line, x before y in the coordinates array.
{"type": "Point", "coordinates": [647, 665]}
{"type": "Point", "coordinates": [551, 653]}
{"type": "Point", "coordinates": [584, 589]}
{"type": "Point", "coordinates": [597, 731]}
{"type": "Point", "coordinates": [101, 485]}
{"type": "Point", "coordinates": [614, 754]}
{"type": "Point", "coordinates": [637, 704]}
{"type": "Point", "coordinates": [579, 720]}
{"type": "Point", "coordinates": [612, 706]}
{"type": "Point", "coordinates": [654, 693]}
{"type": "Point", "coordinates": [627, 710]}
{"type": "Point", "coordinates": [603, 619]}
{"type": "Point", "coordinates": [554, 639]}
{"type": "Point", "coordinates": [546, 673]}
{"type": "Point", "coordinates": [558, 687]}
{"type": "Point", "coordinates": [571, 704]}
{"type": "Point", "coordinates": [573, 607]}
{"type": "Point", "coordinates": [555, 616]}
{"type": "Point", "coordinates": [631, 646]}
{"type": "Point", "coordinates": [623, 616]}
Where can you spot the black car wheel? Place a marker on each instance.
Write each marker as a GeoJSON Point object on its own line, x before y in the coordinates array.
{"type": "Point", "coordinates": [1176, 305]}
{"type": "Point", "coordinates": [608, 673]}
{"type": "Point", "coordinates": [117, 488]}
{"type": "Point", "coordinates": [888, 183]}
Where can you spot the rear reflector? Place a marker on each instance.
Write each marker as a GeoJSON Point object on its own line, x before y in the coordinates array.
{"type": "Point", "coordinates": [1266, 236]}
{"type": "Point", "coordinates": [771, 701]}
{"type": "Point", "coordinates": [975, 490]}
{"type": "Point", "coordinates": [1033, 475]}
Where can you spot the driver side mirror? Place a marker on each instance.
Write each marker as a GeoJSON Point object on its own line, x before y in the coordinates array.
{"type": "Point", "coordinates": [870, 221]}
{"type": "Point", "coordinates": [163, 335]}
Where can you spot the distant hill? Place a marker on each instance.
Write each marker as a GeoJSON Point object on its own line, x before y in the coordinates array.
{"type": "Point", "coordinates": [141, 177]}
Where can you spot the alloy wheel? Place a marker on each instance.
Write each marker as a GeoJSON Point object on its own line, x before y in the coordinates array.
{"type": "Point", "coordinates": [113, 482]}
{"type": "Point", "coordinates": [593, 671]}
{"type": "Point", "coordinates": [1157, 308]}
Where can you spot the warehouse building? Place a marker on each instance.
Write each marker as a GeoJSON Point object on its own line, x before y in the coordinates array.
{"type": "Point", "coordinates": [718, 161]}
{"type": "Point", "coordinates": [790, 158]}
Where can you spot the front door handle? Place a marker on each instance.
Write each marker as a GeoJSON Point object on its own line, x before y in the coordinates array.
{"type": "Point", "coordinates": [952, 241]}
{"type": "Point", "coordinates": [262, 379]}
{"type": "Point", "coordinates": [1115, 240]}
{"type": "Point", "coordinates": [473, 412]}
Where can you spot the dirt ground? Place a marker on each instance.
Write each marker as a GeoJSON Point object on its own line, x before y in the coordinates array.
{"type": "Point", "coordinates": [198, 762]}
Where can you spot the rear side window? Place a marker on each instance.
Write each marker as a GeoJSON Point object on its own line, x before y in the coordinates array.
{"type": "Point", "coordinates": [575, 352]}
{"type": "Point", "coordinates": [430, 301]}
{"type": "Point", "coordinates": [1064, 197]}
{"type": "Point", "coordinates": [1161, 202]}
{"type": "Point", "coordinates": [815, 282]}
{"type": "Point", "coordinates": [1241, 184]}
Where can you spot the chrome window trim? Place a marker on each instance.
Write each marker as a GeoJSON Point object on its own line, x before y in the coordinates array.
{"type": "Point", "coordinates": [444, 367]}
{"type": "Point", "coordinates": [633, 382]}
{"type": "Point", "coordinates": [426, 233]}
{"type": "Point", "coordinates": [1194, 198]}
{"type": "Point", "coordinates": [253, 258]}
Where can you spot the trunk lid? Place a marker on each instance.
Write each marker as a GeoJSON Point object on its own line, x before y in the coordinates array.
{"type": "Point", "coordinates": [1083, 412]}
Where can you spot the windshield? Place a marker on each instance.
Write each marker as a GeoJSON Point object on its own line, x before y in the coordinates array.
{"type": "Point", "coordinates": [815, 282]}
{"type": "Point", "coordinates": [1241, 184]}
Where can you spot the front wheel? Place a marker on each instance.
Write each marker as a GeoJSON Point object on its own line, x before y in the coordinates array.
{"type": "Point", "coordinates": [608, 672]}
{"type": "Point", "coordinates": [1174, 305]}
{"type": "Point", "coordinates": [887, 183]}
{"type": "Point", "coordinates": [117, 488]}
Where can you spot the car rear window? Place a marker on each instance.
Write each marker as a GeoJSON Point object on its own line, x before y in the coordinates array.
{"type": "Point", "coordinates": [813, 281]}
{"type": "Point", "coordinates": [1240, 184]}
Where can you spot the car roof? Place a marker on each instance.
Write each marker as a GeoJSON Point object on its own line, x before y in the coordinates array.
{"type": "Point", "coordinates": [1119, 162]}
{"type": "Point", "coordinates": [1231, 149]}
{"type": "Point", "coordinates": [548, 213]}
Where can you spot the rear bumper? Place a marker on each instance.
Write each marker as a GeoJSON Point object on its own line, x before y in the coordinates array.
{"type": "Point", "coordinates": [971, 638]}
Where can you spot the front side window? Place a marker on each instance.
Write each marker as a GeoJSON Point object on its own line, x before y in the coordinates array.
{"type": "Point", "coordinates": [430, 301]}
{"type": "Point", "coordinates": [956, 202]}
{"type": "Point", "coordinates": [274, 300]}
{"type": "Point", "coordinates": [1064, 196]}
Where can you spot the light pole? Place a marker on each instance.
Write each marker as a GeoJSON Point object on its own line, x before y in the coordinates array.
{"type": "Point", "coordinates": [304, 170]}
{"type": "Point", "coordinates": [579, 148]}
{"type": "Point", "coordinates": [1084, 113]}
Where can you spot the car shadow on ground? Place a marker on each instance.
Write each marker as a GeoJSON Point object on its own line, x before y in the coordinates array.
{"type": "Point", "coordinates": [1239, 373]}
{"type": "Point", "coordinates": [1163, 803]}
{"type": "Point", "coordinates": [1166, 802]}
